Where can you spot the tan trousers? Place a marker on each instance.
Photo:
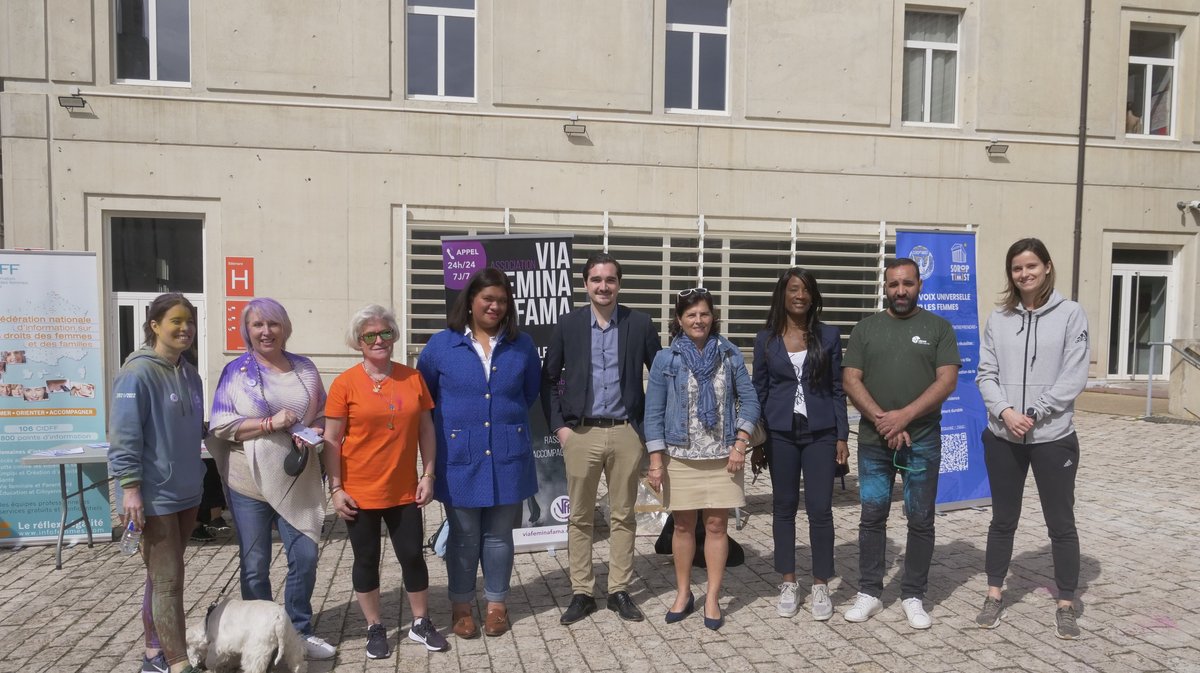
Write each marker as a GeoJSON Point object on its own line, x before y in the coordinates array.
{"type": "Point", "coordinates": [617, 453]}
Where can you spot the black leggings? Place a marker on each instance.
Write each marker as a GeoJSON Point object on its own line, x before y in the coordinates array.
{"type": "Point", "coordinates": [405, 528]}
{"type": "Point", "coordinates": [1054, 466]}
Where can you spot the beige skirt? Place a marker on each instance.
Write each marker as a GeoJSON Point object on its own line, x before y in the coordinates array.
{"type": "Point", "coordinates": [702, 484]}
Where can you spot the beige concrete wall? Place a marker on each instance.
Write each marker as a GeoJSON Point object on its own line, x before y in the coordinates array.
{"type": "Point", "coordinates": [298, 144]}
{"type": "Point", "coordinates": [307, 47]}
{"type": "Point", "coordinates": [574, 55]}
{"type": "Point", "coordinates": [23, 39]}
{"type": "Point", "coordinates": [72, 25]}
{"type": "Point", "coordinates": [817, 66]}
{"type": "Point", "coordinates": [1029, 67]}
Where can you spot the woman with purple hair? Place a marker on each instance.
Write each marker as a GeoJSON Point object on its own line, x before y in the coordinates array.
{"type": "Point", "coordinates": [262, 395]}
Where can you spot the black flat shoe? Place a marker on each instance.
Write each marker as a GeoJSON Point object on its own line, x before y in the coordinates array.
{"type": "Point", "coordinates": [673, 617]}
{"type": "Point", "coordinates": [581, 606]}
{"type": "Point", "coordinates": [714, 624]}
{"type": "Point", "coordinates": [623, 605]}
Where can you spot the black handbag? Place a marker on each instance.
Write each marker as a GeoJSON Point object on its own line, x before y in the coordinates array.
{"type": "Point", "coordinates": [737, 555]}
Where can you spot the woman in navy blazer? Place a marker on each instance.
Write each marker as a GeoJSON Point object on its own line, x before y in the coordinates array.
{"type": "Point", "coordinates": [483, 375]}
{"type": "Point", "coordinates": [798, 377]}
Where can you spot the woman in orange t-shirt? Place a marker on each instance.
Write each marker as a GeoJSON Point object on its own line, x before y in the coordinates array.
{"type": "Point", "coordinates": [376, 417]}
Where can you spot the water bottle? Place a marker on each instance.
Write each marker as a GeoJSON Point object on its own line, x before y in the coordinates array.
{"type": "Point", "coordinates": [130, 539]}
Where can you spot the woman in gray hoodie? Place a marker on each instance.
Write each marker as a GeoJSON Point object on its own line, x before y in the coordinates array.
{"type": "Point", "coordinates": [1033, 363]}
{"type": "Point", "coordinates": [154, 438]}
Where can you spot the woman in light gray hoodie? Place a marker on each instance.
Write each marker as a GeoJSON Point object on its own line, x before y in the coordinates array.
{"type": "Point", "coordinates": [1033, 363]}
{"type": "Point", "coordinates": [154, 437]}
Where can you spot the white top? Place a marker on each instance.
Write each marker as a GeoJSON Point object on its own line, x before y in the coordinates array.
{"type": "Point", "coordinates": [485, 358]}
{"type": "Point", "coordinates": [799, 407]}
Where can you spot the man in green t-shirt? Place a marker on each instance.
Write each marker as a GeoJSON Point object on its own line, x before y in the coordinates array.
{"type": "Point", "coordinates": [900, 365]}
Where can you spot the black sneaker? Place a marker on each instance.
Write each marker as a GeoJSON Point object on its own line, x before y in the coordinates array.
{"type": "Point", "coordinates": [200, 533]}
{"type": "Point", "coordinates": [158, 664]}
{"type": "Point", "coordinates": [377, 645]}
{"type": "Point", "coordinates": [1065, 625]}
{"type": "Point", "coordinates": [423, 632]}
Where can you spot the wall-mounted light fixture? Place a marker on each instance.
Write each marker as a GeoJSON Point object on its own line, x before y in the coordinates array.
{"type": "Point", "coordinates": [574, 128]}
{"type": "Point", "coordinates": [72, 102]}
{"type": "Point", "coordinates": [995, 148]}
{"type": "Point", "coordinates": [1188, 205]}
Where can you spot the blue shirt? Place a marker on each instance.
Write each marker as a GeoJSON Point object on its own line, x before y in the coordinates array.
{"type": "Point", "coordinates": [606, 371]}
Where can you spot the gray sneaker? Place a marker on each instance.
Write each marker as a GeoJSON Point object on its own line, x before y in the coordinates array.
{"type": "Point", "coordinates": [1065, 626]}
{"type": "Point", "coordinates": [822, 607]}
{"type": "Point", "coordinates": [991, 614]}
{"type": "Point", "coordinates": [789, 599]}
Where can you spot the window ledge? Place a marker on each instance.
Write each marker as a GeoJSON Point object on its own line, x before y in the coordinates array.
{"type": "Point", "coordinates": [690, 111]}
{"type": "Point", "coordinates": [153, 82]}
{"type": "Point", "coordinates": [442, 99]}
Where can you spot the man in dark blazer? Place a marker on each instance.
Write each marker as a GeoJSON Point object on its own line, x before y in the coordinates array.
{"type": "Point", "coordinates": [593, 370]}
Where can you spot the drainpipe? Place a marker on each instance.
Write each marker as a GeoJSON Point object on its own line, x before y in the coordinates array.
{"type": "Point", "coordinates": [1083, 104]}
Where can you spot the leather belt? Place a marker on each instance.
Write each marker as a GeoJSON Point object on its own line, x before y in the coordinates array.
{"type": "Point", "coordinates": [603, 422]}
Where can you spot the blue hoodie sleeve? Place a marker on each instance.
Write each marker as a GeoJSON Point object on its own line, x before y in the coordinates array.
{"type": "Point", "coordinates": [131, 404]}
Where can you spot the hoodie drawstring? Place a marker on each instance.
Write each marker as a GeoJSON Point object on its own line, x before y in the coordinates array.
{"type": "Point", "coordinates": [1037, 318]}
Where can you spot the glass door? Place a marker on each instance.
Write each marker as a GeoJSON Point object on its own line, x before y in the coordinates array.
{"type": "Point", "coordinates": [150, 256]}
{"type": "Point", "coordinates": [1139, 315]}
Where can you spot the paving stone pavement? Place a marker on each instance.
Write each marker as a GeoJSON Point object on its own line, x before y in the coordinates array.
{"type": "Point", "coordinates": [1137, 508]}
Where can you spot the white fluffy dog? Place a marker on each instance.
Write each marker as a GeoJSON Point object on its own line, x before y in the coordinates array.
{"type": "Point", "coordinates": [253, 636]}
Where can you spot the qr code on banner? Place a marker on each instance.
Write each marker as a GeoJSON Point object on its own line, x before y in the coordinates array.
{"type": "Point", "coordinates": [954, 453]}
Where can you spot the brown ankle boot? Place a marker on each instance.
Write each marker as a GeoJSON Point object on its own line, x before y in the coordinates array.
{"type": "Point", "coordinates": [496, 622]}
{"type": "Point", "coordinates": [464, 622]}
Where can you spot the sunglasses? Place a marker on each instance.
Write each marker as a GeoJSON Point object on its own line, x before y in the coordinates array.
{"type": "Point", "coordinates": [691, 291]}
{"type": "Point", "coordinates": [369, 338]}
{"type": "Point", "coordinates": [906, 468]}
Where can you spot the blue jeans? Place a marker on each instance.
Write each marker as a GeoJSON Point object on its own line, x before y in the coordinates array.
{"type": "Point", "coordinates": [480, 535]}
{"type": "Point", "coordinates": [876, 476]}
{"type": "Point", "coordinates": [253, 520]}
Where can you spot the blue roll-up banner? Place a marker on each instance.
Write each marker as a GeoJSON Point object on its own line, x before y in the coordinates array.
{"type": "Point", "coordinates": [947, 264]}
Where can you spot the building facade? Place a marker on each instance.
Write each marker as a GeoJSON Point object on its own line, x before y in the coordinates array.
{"type": "Point", "coordinates": [703, 142]}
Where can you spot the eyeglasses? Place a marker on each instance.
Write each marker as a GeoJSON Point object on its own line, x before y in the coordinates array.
{"type": "Point", "coordinates": [906, 468]}
{"type": "Point", "coordinates": [369, 338]}
{"type": "Point", "coordinates": [691, 291]}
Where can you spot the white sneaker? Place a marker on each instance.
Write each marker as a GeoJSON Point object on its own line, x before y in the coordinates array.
{"type": "Point", "coordinates": [822, 607]}
{"type": "Point", "coordinates": [315, 647]}
{"type": "Point", "coordinates": [865, 607]}
{"type": "Point", "coordinates": [789, 599]}
{"type": "Point", "coordinates": [915, 611]}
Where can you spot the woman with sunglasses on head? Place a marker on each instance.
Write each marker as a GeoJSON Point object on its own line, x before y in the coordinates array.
{"type": "Point", "coordinates": [700, 410]}
{"type": "Point", "coordinates": [154, 438]}
{"type": "Point", "coordinates": [483, 374]}
{"type": "Point", "coordinates": [377, 419]}
{"type": "Point", "coordinates": [1033, 363]}
{"type": "Point", "coordinates": [261, 396]}
{"type": "Point", "coordinates": [798, 376]}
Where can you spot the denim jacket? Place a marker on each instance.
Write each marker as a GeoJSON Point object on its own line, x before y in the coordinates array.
{"type": "Point", "coordinates": [667, 398]}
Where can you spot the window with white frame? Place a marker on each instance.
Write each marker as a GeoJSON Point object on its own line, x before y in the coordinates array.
{"type": "Point", "coordinates": [930, 91]}
{"type": "Point", "coordinates": [151, 41]}
{"type": "Point", "coordinates": [1151, 86]}
{"type": "Point", "coordinates": [441, 49]}
{"type": "Point", "coordinates": [697, 52]}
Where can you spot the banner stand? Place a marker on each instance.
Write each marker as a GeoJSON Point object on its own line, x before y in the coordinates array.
{"type": "Point", "coordinates": [946, 261]}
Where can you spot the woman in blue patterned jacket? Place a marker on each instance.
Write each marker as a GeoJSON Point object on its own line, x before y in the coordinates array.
{"type": "Point", "coordinates": [483, 375]}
